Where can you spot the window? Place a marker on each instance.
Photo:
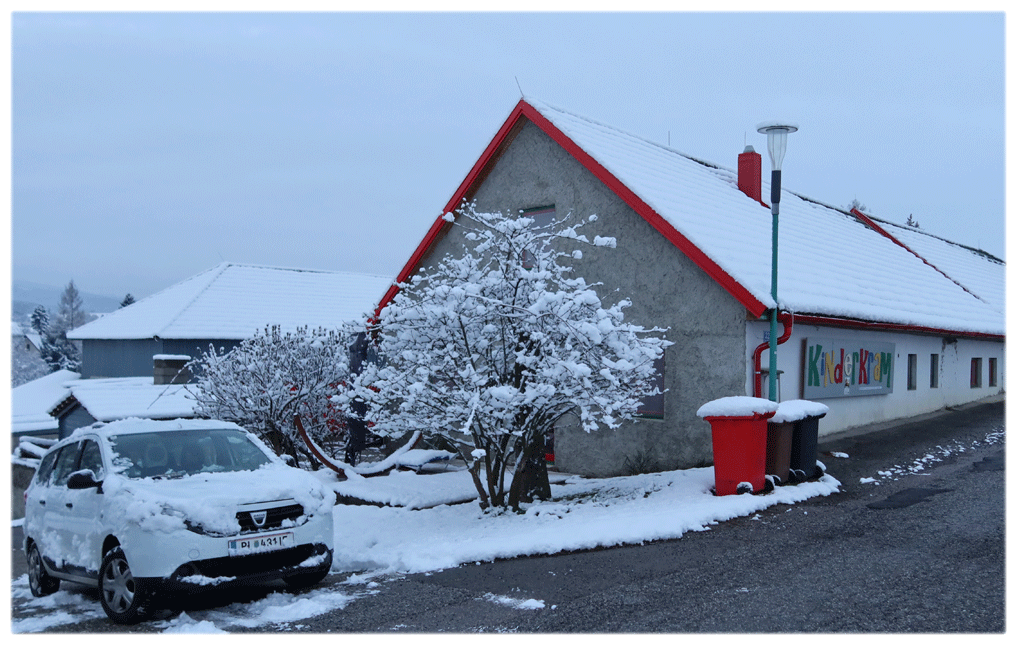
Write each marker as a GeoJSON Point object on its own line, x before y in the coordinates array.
{"type": "Point", "coordinates": [91, 459]}
{"type": "Point", "coordinates": [543, 217]}
{"type": "Point", "coordinates": [652, 407]}
{"type": "Point", "coordinates": [934, 371]}
{"type": "Point", "coordinates": [66, 463]}
{"type": "Point", "coordinates": [992, 372]}
{"type": "Point", "coordinates": [46, 467]}
{"type": "Point", "coordinates": [976, 372]}
{"type": "Point", "coordinates": [912, 371]}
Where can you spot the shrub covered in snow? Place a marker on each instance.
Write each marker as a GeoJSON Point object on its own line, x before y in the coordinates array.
{"type": "Point", "coordinates": [266, 380]}
{"type": "Point", "coordinates": [491, 348]}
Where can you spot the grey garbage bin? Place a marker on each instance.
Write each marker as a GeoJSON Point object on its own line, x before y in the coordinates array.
{"type": "Point", "coordinates": [805, 416]}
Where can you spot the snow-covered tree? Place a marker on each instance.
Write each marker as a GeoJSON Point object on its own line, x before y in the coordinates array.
{"type": "Point", "coordinates": [40, 320]}
{"type": "Point", "coordinates": [912, 222]}
{"type": "Point", "coordinates": [490, 349]}
{"type": "Point", "coordinates": [267, 379]}
{"type": "Point", "coordinates": [855, 204]}
{"type": "Point", "coordinates": [128, 300]}
{"type": "Point", "coordinates": [71, 313]}
{"type": "Point", "coordinates": [59, 352]}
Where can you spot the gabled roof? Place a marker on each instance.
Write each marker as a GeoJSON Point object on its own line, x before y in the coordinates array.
{"type": "Point", "coordinates": [235, 301]}
{"type": "Point", "coordinates": [832, 265]}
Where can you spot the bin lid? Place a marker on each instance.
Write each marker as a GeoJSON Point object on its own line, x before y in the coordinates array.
{"type": "Point", "coordinates": [797, 410]}
{"type": "Point", "coordinates": [737, 406]}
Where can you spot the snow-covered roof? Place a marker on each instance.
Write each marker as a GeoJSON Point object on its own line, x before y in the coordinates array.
{"type": "Point", "coordinates": [17, 330]}
{"type": "Point", "coordinates": [832, 265]}
{"type": "Point", "coordinates": [829, 262]}
{"type": "Point", "coordinates": [235, 301]}
{"type": "Point", "coordinates": [980, 273]}
{"type": "Point", "coordinates": [109, 399]}
{"type": "Point", "coordinates": [32, 403]}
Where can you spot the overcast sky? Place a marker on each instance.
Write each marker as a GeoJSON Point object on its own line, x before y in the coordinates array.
{"type": "Point", "coordinates": [149, 147]}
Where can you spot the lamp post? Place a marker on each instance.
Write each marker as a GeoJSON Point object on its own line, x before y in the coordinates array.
{"type": "Point", "coordinates": [776, 144]}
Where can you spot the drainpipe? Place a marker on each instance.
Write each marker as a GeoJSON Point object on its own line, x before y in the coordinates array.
{"type": "Point", "coordinates": [786, 318]}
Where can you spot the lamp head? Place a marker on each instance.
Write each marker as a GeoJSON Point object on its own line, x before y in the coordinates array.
{"type": "Point", "coordinates": [776, 139]}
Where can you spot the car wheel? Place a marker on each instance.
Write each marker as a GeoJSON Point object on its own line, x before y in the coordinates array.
{"type": "Point", "coordinates": [40, 582]}
{"type": "Point", "coordinates": [122, 596]}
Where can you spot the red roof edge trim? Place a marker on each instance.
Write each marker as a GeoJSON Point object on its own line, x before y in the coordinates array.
{"type": "Point", "coordinates": [868, 221]}
{"type": "Point", "coordinates": [703, 261]}
{"type": "Point", "coordinates": [885, 326]}
{"type": "Point", "coordinates": [439, 223]}
{"type": "Point", "coordinates": [524, 109]}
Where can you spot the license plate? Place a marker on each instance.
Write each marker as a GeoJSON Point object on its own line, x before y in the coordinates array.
{"type": "Point", "coordinates": [260, 544]}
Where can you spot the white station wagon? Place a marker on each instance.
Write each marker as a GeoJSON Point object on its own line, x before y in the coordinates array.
{"type": "Point", "coordinates": [143, 508]}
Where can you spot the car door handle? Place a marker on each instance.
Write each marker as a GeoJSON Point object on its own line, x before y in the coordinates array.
{"type": "Point", "coordinates": [42, 502]}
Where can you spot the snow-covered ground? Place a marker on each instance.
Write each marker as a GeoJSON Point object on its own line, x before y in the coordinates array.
{"type": "Point", "coordinates": [372, 542]}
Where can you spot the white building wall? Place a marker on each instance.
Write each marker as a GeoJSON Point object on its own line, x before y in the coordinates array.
{"type": "Point", "coordinates": [955, 357]}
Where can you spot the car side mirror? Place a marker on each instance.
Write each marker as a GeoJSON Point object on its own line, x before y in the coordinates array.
{"type": "Point", "coordinates": [82, 479]}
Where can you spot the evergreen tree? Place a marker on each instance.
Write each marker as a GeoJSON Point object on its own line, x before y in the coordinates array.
{"type": "Point", "coordinates": [59, 352]}
{"type": "Point", "coordinates": [40, 320]}
{"type": "Point", "coordinates": [128, 300]}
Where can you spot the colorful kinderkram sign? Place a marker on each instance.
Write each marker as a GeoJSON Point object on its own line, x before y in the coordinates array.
{"type": "Point", "coordinates": [837, 368]}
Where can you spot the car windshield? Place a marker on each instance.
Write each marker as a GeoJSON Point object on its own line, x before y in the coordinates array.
{"type": "Point", "coordinates": [185, 452]}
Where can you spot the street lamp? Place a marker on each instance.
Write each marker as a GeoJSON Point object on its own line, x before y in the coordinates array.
{"type": "Point", "coordinates": [776, 144]}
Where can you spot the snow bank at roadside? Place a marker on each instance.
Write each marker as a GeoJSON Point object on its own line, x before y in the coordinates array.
{"type": "Point", "coordinates": [583, 514]}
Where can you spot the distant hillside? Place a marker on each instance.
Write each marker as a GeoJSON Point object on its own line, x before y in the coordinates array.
{"type": "Point", "coordinates": [26, 296]}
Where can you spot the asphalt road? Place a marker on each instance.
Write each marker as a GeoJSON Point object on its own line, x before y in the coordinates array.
{"type": "Point", "coordinates": [922, 551]}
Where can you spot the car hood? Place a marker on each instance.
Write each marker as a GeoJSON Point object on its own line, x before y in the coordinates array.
{"type": "Point", "coordinates": [210, 500]}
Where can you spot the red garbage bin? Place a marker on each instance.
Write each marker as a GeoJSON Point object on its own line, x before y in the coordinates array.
{"type": "Point", "coordinates": [738, 424]}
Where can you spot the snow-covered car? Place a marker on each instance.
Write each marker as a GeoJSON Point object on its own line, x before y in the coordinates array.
{"type": "Point", "coordinates": [142, 508]}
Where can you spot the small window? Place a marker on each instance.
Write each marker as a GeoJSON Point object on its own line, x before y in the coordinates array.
{"type": "Point", "coordinates": [652, 407]}
{"type": "Point", "coordinates": [934, 371]}
{"type": "Point", "coordinates": [543, 217]}
{"type": "Point", "coordinates": [976, 372]}
{"type": "Point", "coordinates": [992, 372]}
{"type": "Point", "coordinates": [912, 371]}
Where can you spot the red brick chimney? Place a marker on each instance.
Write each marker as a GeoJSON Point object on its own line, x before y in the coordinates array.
{"type": "Point", "coordinates": [750, 169]}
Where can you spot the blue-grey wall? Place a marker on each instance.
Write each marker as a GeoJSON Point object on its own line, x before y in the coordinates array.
{"type": "Point", "coordinates": [121, 358]}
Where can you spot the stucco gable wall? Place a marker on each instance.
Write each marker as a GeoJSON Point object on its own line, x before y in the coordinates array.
{"type": "Point", "coordinates": [706, 324]}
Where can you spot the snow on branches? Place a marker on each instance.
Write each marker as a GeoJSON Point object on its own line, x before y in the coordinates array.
{"type": "Point", "coordinates": [267, 379]}
{"type": "Point", "coordinates": [490, 349]}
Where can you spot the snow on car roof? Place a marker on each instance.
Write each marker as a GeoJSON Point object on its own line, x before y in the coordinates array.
{"type": "Point", "coordinates": [135, 425]}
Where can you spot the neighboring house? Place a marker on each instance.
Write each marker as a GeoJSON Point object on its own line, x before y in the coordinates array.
{"type": "Point", "coordinates": [54, 405]}
{"type": "Point", "coordinates": [888, 322]}
{"type": "Point", "coordinates": [30, 341]}
{"type": "Point", "coordinates": [220, 308]}
{"type": "Point", "coordinates": [45, 407]}
{"type": "Point", "coordinates": [133, 358]}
